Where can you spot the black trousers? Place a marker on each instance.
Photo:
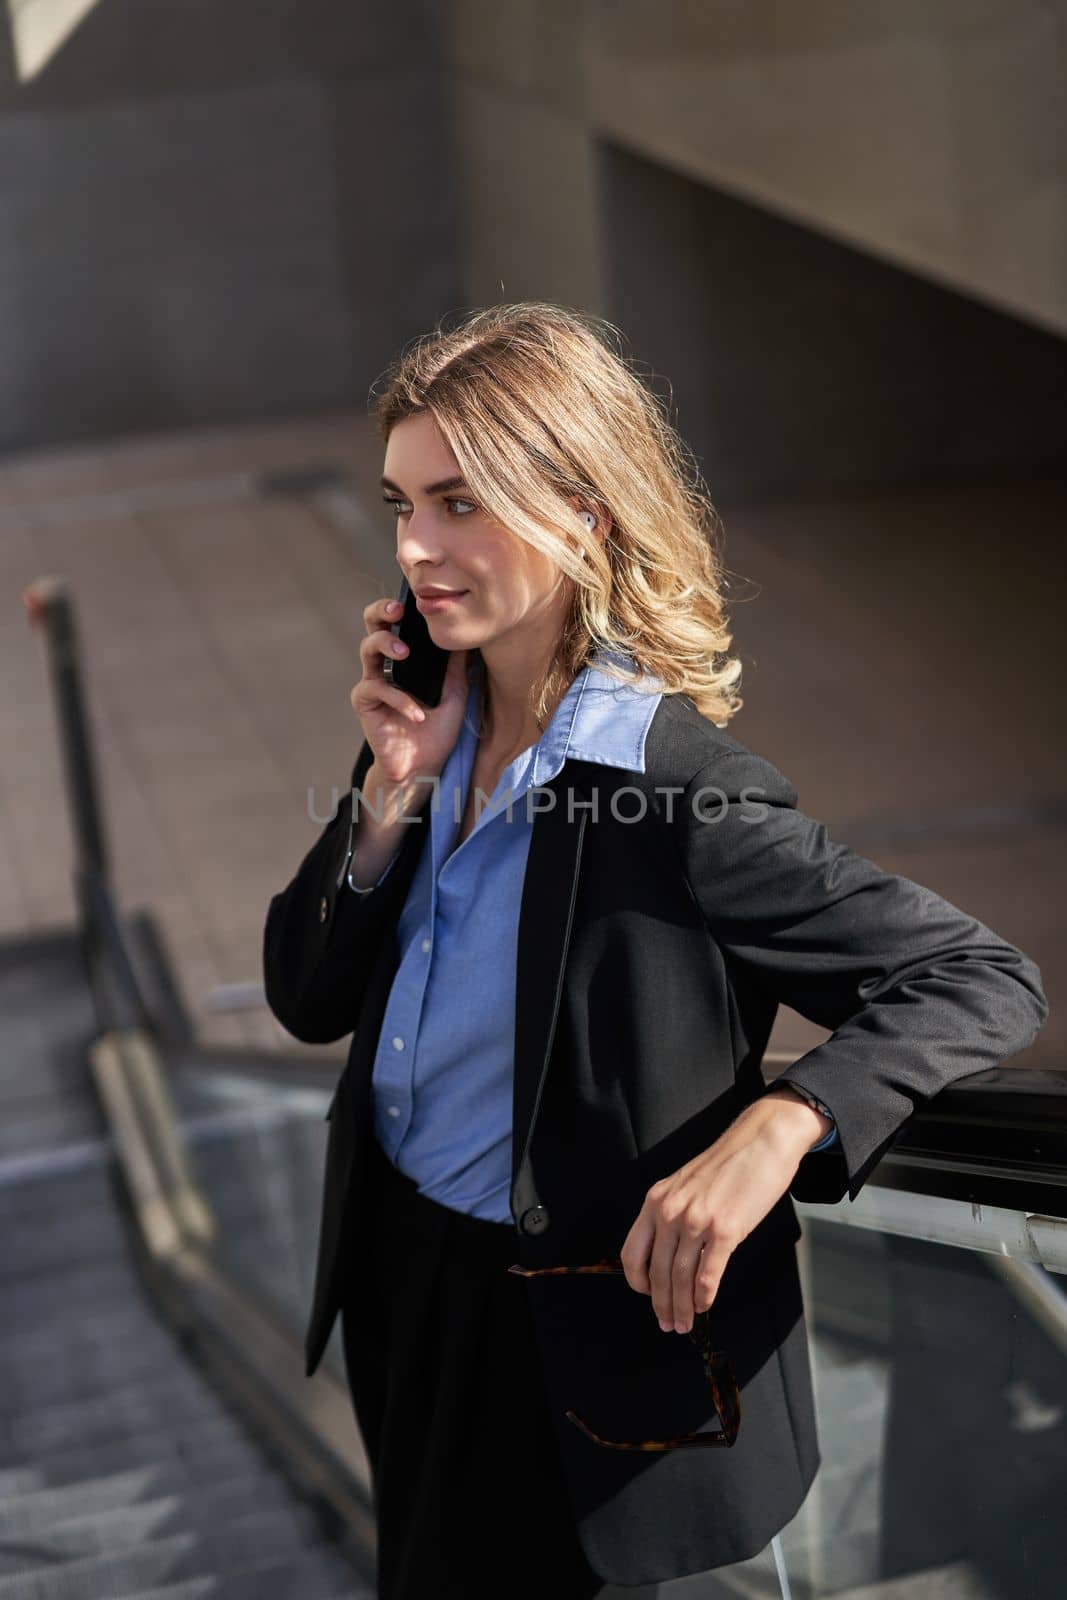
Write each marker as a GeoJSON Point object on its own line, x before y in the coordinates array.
{"type": "Point", "coordinates": [446, 1384]}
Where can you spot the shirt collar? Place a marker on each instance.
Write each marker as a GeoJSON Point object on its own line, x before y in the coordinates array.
{"type": "Point", "coordinates": [599, 719]}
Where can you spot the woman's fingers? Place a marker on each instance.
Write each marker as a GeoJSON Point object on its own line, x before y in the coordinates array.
{"type": "Point", "coordinates": [660, 1271]}
{"type": "Point", "coordinates": [706, 1276]}
{"type": "Point", "coordinates": [675, 1254]}
{"type": "Point", "coordinates": [685, 1276]}
{"type": "Point", "coordinates": [376, 644]}
{"type": "Point", "coordinates": [375, 693]}
{"type": "Point", "coordinates": [385, 610]}
{"type": "Point", "coordinates": [374, 649]}
{"type": "Point", "coordinates": [379, 641]}
{"type": "Point", "coordinates": [661, 1263]}
{"type": "Point", "coordinates": [637, 1249]}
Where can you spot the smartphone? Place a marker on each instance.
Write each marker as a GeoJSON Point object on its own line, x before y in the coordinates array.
{"type": "Point", "coordinates": [422, 671]}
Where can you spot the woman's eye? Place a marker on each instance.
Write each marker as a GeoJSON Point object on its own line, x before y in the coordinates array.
{"type": "Point", "coordinates": [458, 508]}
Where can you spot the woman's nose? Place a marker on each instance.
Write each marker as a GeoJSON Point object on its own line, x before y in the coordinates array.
{"type": "Point", "coordinates": [417, 542]}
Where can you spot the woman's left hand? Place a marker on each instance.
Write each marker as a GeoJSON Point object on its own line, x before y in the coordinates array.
{"type": "Point", "coordinates": [693, 1219]}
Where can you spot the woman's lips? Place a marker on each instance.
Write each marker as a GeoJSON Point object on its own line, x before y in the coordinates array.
{"type": "Point", "coordinates": [437, 602]}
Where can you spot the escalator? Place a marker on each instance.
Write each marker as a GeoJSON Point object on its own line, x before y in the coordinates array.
{"type": "Point", "coordinates": [158, 1436]}
{"type": "Point", "coordinates": [124, 1469]}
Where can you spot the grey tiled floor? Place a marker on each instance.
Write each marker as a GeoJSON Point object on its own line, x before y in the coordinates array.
{"type": "Point", "coordinates": [902, 655]}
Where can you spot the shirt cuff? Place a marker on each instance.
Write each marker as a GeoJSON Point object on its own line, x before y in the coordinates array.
{"type": "Point", "coordinates": [827, 1142]}
{"type": "Point", "coordinates": [829, 1139]}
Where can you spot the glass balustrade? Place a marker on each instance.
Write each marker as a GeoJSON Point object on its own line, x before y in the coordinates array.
{"type": "Point", "coordinates": [941, 1389]}
{"type": "Point", "coordinates": [941, 1394]}
{"type": "Point", "coordinates": [258, 1151]}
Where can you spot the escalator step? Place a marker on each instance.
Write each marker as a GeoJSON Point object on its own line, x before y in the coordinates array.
{"type": "Point", "coordinates": [276, 1581]}
{"type": "Point", "coordinates": [18, 1481]}
{"type": "Point", "coordinates": [52, 1192]}
{"type": "Point", "coordinates": [181, 1557]}
{"type": "Point", "coordinates": [41, 1510]}
{"type": "Point", "coordinates": [274, 1531]}
{"type": "Point", "coordinates": [111, 1575]}
{"type": "Point", "coordinates": [46, 1247]}
{"type": "Point", "coordinates": [213, 1447]}
{"type": "Point", "coordinates": [94, 1328]}
{"type": "Point", "coordinates": [36, 1305]}
{"type": "Point", "coordinates": [42, 1126]}
{"type": "Point", "coordinates": [92, 1332]}
{"type": "Point", "coordinates": [177, 1376]}
{"type": "Point", "coordinates": [80, 1375]}
{"type": "Point", "coordinates": [136, 1408]}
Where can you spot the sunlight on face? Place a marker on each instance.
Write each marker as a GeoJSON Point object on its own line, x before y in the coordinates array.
{"type": "Point", "coordinates": [444, 538]}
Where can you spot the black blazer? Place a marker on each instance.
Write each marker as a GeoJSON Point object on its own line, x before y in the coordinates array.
{"type": "Point", "coordinates": [664, 917]}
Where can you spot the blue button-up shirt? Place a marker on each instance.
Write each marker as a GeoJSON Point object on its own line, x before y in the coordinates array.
{"type": "Point", "coordinates": [442, 1077]}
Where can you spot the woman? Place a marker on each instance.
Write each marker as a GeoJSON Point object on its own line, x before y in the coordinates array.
{"type": "Point", "coordinates": [560, 999]}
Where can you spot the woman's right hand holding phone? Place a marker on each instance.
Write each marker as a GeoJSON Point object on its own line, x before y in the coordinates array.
{"type": "Point", "coordinates": [407, 738]}
{"type": "Point", "coordinates": [409, 741]}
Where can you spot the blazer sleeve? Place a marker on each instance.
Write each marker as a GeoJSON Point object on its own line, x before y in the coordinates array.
{"type": "Point", "coordinates": [320, 939]}
{"type": "Point", "coordinates": [917, 993]}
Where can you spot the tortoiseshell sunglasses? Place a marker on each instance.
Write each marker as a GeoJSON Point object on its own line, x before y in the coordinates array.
{"type": "Point", "coordinates": [725, 1394]}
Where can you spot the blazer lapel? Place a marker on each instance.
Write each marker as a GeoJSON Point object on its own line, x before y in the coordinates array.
{"type": "Point", "coordinates": [545, 915]}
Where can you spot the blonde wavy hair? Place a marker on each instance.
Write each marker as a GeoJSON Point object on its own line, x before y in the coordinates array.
{"type": "Point", "coordinates": [540, 408]}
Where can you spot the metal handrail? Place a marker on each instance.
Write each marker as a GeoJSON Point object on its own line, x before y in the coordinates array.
{"type": "Point", "coordinates": [996, 1138]}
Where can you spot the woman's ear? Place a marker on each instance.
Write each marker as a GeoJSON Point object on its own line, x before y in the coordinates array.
{"type": "Point", "coordinates": [591, 520]}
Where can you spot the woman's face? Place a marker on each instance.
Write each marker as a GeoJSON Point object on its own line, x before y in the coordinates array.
{"type": "Point", "coordinates": [511, 591]}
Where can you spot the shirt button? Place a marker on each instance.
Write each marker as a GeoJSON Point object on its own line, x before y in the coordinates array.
{"type": "Point", "coordinates": [426, 944]}
{"type": "Point", "coordinates": [535, 1220]}
{"type": "Point", "coordinates": [394, 1111]}
{"type": "Point", "coordinates": [324, 909]}
{"type": "Point", "coordinates": [398, 1043]}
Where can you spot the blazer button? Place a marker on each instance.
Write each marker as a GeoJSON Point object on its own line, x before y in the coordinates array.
{"type": "Point", "coordinates": [324, 909]}
{"type": "Point", "coordinates": [535, 1220]}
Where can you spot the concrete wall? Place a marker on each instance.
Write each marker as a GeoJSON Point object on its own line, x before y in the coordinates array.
{"type": "Point", "coordinates": [219, 212]}
{"type": "Point", "coordinates": [725, 184]}
{"type": "Point", "coordinates": [934, 137]}
{"type": "Point", "coordinates": [794, 362]}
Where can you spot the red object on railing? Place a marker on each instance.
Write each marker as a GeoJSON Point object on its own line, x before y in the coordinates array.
{"type": "Point", "coordinates": [36, 596]}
